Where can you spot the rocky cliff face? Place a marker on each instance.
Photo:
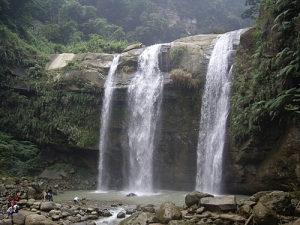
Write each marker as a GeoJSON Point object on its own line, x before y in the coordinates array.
{"type": "Point", "coordinates": [266, 156]}
{"type": "Point", "coordinates": [175, 156]}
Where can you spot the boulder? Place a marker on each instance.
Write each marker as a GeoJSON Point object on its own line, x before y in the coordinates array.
{"type": "Point", "coordinates": [194, 197]}
{"type": "Point", "coordinates": [22, 202]}
{"type": "Point", "coordinates": [178, 222]}
{"type": "Point", "coordinates": [19, 218]}
{"type": "Point", "coordinates": [47, 206]}
{"type": "Point", "coordinates": [233, 217]}
{"type": "Point", "coordinates": [131, 195]}
{"type": "Point", "coordinates": [121, 215]}
{"type": "Point", "coordinates": [6, 222]}
{"type": "Point", "coordinates": [130, 211]}
{"type": "Point", "coordinates": [91, 209]}
{"type": "Point", "coordinates": [52, 213]}
{"type": "Point", "coordinates": [31, 192]}
{"type": "Point", "coordinates": [35, 205]}
{"type": "Point", "coordinates": [245, 208]}
{"type": "Point", "coordinates": [279, 201]}
{"type": "Point", "coordinates": [219, 204]}
{"type": "Point", "coordinates": [106, 213]}
{"type": "Point", "coordinates": [35, 219]}
{"type": "Point", "coordinates": [139, 218]}
{"type": "Point", "coordinates": [262, 215]}
{"type": "Point", "coordinates": [297, 222]}
{"type": "Point", "coordinates": [168, 211]}
{"type": "Point", "coordinates": [30, 202]}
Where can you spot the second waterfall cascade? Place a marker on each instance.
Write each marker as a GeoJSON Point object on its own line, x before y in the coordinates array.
{"type": "Point", "coordinates": [214, 112]}
{"type": "Point", "coordinates": [103, 179]}
{"type": "Point", "coordinates": [144, 108]}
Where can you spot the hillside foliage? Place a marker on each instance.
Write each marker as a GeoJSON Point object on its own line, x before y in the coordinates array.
{"type": "Point", "coordinates": [266, 83]}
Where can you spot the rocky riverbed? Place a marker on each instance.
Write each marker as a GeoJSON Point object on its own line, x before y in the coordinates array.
{"type": "Point", "coordinates": [263, 208]}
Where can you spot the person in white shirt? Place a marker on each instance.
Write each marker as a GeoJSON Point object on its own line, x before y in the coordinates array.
{"type": "Point", "coordinates": [76, 200]}
{"type": "Point", "coordinates": [10, 212]}
{"type": "Point", "coordinates": [16, 208]}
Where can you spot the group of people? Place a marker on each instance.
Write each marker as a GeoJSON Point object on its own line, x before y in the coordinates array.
{"type": "Point", "coordinates": [12, 204]}
{"type": "Point", "coordinates": [47, 195]}
{"type": "Point", "coordinates": [13, 207]}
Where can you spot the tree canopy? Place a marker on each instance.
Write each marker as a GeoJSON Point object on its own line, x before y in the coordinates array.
{"type": "Point", "coordinates": [146, 21]}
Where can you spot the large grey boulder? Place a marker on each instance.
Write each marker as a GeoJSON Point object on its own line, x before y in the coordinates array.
{"type": "Point", "coordinates": [262, 215]}
{"type": "Point", "coordinates": [279, 201]}
{"type": "Point", "coordinates": [168, 211]}
{"type": "Point", "coordinates": [297, 222]}
{"type": "Point", "coordinates": [47, 206]}
{"type": "Point", "coordinates": [6, 222]}
{"type": "Point", "coordinates": [35, 219]}
{"type": "Point", "coordinates": [19, 218]}
{"type": "Point", "coordinates": [194, 197]}
{"type": "Point", "coordinates": [31, 192]}
{"type": "Point", "coordinates": [219, 204]}
{"type": "Point", "coordinates": [66, 212]}
{"type": "Point", "coordinates": [139, 218]}
{"type": "Point", "coordinates": [245, 208]}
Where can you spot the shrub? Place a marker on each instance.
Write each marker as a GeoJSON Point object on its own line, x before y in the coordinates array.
{"type": "Point", "coordinates": [184, 80]}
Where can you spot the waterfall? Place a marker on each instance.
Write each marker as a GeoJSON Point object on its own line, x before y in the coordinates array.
{"type": "Point", "coordinates": [104, 178]}
{"type": "Point", "coordinates": [214, 112]}
{"type": "Point", "coordinates": [144, 107]}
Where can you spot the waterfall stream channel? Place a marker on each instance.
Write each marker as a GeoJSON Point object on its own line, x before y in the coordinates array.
{"type": "Point", "coordinates": [214, 112]}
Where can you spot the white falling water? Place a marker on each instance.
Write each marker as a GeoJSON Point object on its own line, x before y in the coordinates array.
{"type": "Point", "coordinates": [144, 106]}
{"type": "Point", "coordinates": [103, 177]}
{"type": "Point", "coordinates": [214, 112]}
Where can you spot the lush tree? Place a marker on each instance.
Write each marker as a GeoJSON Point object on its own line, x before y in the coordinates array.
{"type": "Point", "coordinates": [252, 12]}
{"type": "Point", "coordinates": [50, 10]}
{"type": "Point", "coordinates": [17, 158]}
{"type": "Point", "coordinates": [18, 14]}
{"type": "Point", "coordinates": [153, 29]}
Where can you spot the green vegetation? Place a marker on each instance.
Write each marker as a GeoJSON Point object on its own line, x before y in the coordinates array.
{"type": "Point", "coordinates": [184, 80]}
{"type": "Point", "coordinates": [68, 22]}
{"type": "Point", "coordinates": [175, 55]}
{"type": "Point", "coordinates": [17, 158]}
{"type": "Point", "coordinates": [268, 93]}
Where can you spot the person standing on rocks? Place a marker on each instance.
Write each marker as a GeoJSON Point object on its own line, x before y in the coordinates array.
{"type": "Point", "coordinates": [50, 194]}
{"type": "Point", "coordinates": [44, 196]}
{"type": "Point", "coordinates": [16, 208]}
{"type": "Point", "coordinates": [17, 196]}
{"type": "Point", "coordinates": [9, 200]}
{"type": "Point", "coordinates": [76, 200]}
{"type": "Point", "coordinates": [10, 212]}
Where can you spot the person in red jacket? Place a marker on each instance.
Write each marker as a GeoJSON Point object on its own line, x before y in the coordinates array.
{"type": "Point", "coordinates": [17, 196]}
{"type": "Point", "coordinates": [9, 200]}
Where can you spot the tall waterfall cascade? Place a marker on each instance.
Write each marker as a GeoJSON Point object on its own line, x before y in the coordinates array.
{"type": "Point", "coordinates": [109, 87]}
{"type": "Point", "coordinates": [144, 109]}
{"type": "Point", "coordinates": [214, 112]}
